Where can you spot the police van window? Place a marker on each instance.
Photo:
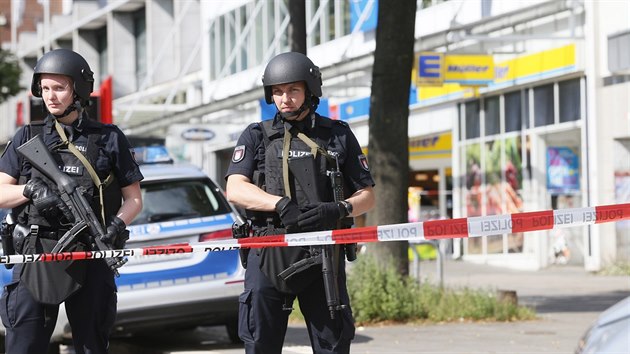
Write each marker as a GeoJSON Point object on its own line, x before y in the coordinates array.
{"type": "Point", "coordinates": [178, 200]}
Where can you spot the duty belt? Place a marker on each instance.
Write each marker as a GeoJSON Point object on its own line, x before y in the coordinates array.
{"type": "Point", "coordinates": [47, 232]}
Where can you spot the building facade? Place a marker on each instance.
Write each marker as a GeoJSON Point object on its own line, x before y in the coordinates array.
{"type": "Point", "coordinates": [548, 128]}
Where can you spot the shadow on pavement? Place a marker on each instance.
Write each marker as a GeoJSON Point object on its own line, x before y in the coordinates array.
{"type": "Point", "coordinates": [299, 336]}
{"type": "Point", "coordinates": [578, 303]}
{"type": "Point", "coordinates": [201, 338]}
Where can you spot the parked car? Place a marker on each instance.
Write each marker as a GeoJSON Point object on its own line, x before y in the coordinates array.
{"type": "Point", "coordinates": [181, 205]}
{"type": "Point", "coordinates": [610, 333]}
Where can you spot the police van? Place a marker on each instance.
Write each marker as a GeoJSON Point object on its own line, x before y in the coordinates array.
{"type": "Point", "coordinates": [182, 205]}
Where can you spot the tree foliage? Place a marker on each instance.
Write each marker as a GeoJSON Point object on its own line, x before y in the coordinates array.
{"type": "Point", "coordinates": [10, 72]}
{"type": "Point", "coordinates": [389, 121]}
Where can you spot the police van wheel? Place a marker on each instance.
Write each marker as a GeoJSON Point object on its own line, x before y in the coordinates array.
{"type": "Point", "coordinates": [232, 331]}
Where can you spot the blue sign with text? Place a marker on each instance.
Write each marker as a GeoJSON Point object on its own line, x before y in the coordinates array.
{"type": "Point", "coordinates": [563, 174]}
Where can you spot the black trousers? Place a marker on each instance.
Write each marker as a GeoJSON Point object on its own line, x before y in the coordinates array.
{"type": "Point", "coordinates": [263, 322]}
{"type": "Point", "coordinates": [91, 312]}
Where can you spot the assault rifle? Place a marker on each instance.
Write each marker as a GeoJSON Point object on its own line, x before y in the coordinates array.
{"type": "Point", "coordinates": [336, 181]}
{"type": "Point", "coordinates": [36, 152]}
{"type": "Point", "coordinates": [328, 255]}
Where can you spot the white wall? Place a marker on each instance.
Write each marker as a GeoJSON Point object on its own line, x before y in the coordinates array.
{"type": "Point", "coordinates": [122, 55]}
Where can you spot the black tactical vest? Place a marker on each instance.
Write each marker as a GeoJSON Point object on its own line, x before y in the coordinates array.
{"type": "Point", "coordinates": [274, 260]}
{"type": "Point", "coordinates": [270, 179]}
{"type": "Point", "coordinates": [72, 166]}
{"type": "Point", "coordinates": [54, 282]}
{"type": "Point", "coordinates": [298, 150]}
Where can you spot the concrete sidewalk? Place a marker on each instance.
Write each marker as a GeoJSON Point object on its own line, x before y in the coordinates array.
{"type": "Point", "coordinates": [566, 298]}
{"type": "Point", "coordinates": [538, 289]}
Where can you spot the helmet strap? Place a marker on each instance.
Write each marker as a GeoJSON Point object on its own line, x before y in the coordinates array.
{"type": "Point", "coordinates": [76, 106]}
{"type": "Point", "coordinates": [288, 115]}
{"type": "Point", "coordinates": [309, 103]}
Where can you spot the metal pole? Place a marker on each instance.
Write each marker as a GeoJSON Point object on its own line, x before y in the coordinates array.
{"type": "Point", "coordinates": [440, 263]}
{"type": "Point", "coordinates": [440, 260]}
{"type": "Point", "coordinates": [416, 261]}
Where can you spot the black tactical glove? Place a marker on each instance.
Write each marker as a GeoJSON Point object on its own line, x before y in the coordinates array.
{"type": "Point", "coordinates": [289, 212]}
{"type": "Point", "coordinates": [322, 216]}
{"type": "Point", "coordinates": [45, 200]}
{"type": "Point", "coordinates": [116, 235]}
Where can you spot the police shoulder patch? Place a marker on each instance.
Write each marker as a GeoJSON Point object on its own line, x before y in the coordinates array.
{"type": "Point", "coordinates": [238, 154]}
{"type": "Point", "coordinates": [364, 162]}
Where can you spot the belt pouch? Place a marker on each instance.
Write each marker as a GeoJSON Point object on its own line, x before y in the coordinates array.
{"type": "Point", "coordinates": [52, 282]}
{"type": "Point", "coordinates": [274, 260]}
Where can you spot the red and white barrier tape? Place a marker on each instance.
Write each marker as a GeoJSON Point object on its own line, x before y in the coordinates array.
{"type": "Point", "coordinates": [416, 231]}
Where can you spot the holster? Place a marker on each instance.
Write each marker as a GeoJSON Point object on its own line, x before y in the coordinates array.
{"type": "Point", "coordinates": [349, 249]}
{"type": "Point", "coordinates": [6, 234]}
{"type": "Point", "coordinates": [241, 228]}
{"type": "Point", "coordinates": [19, 236]}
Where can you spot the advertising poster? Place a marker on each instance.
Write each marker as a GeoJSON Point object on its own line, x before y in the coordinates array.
{"type": "Point", "coordinates": [513, 187]}
{"type": "Point", "coordinates": [473, 180]}
{"type": "Point", "coordinates": [513, 174]}
{"type": "Point", "coordinates": [497, 189]}
{"type": "Point", "coordinates": [563, 174]}
{"type": "Point", "coordinates": [474, 192]}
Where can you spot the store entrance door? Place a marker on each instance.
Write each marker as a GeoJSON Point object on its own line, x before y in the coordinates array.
{"type": "Point", "coordinates": [430, 195]}
{"type": "Point", "coordinates": [430, 198]}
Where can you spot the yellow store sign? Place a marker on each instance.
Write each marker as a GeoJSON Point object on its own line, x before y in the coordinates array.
{"type": "Point", "coordinates": [432, 147]}
{"type": "Point", "coordinates": [522, 69]}
{"type": "Point", "coordinates": [536, 66]}
{"type": "Point", "coordinates": [433, 69]}
{"type": "Point", "coordinates": [469, 69]}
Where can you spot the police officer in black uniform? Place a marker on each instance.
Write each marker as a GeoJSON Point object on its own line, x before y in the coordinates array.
{"type": "Point", "coordinates": [269, 156]}
{"type": "Point", "coordinates": [30, 302]}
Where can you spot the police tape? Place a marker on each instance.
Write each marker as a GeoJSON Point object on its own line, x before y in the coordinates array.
{"type": "Point", "coordinates": [416, 231]}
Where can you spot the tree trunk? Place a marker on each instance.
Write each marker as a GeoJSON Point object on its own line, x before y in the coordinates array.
{"type": "Point", "coordinates": [389, 120]}
{"type": "Point", "coordinates": [297, 26]}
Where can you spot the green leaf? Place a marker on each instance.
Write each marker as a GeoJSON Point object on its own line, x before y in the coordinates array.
{"type": "Point", "coordinates": [10, 72]}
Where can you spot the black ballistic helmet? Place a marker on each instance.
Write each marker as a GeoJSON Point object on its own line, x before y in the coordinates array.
{"type": "Point", "coordinates": [69, 63]}
{"type": "Point", "coordinates": [292, 67]}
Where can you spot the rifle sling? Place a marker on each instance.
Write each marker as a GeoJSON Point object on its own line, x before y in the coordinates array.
{"type": "Point", "coordinates": [97, 181]}
{"type": "Point", "coordinates": [286, 144]}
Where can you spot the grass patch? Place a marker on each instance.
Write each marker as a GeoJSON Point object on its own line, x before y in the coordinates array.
{"type": "Point", "coordinates": [382, 295]}
{"type": "Point", "coordinates": [617, 268]}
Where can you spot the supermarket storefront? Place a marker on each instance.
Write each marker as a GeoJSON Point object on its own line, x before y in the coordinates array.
{"type": "Point", "coordinates": [518, 146]}
{"type": "Point", "coordinates": [513, 145]}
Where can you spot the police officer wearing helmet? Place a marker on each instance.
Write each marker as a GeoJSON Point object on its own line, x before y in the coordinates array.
{"type": "Point", "coordinates": [30, 302]}
{"type": "Point", "coordinates": [268, 157]}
